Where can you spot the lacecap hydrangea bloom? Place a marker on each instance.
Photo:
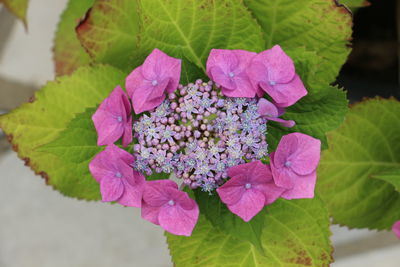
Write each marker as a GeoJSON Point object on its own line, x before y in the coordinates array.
{"type": "Point", "coordinates": [208, 135]}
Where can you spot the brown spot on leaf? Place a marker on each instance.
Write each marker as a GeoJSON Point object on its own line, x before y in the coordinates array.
{"type": "Point", "coordinates": [301, 257]}
{"type": "Point", "coordinates": [83, 25]}
{"type": "Point", "coordinates": [45, 176]}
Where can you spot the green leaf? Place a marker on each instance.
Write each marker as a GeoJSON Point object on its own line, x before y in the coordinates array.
{"type": "Point", "coordinates": [314, 115]}
{"type": "Point", "coordinates": [392, 177]}
{"type": "Point", "coordinates": [296, 233]}
{"type": "Point", "coordinates": [319, 25]}
{"type": "Point", "coordinates": [190, 72]}
{"type": "Point", "coordinates": [157, 176]}
{"type": "Point", "coordinates": [110, 33]}
{"type": "Point", "coordinates": [68, 52]}
{"type": "Point", "coordinates": [18, 8]}
{"type": "Point", "coordinates": [35, 124]}
{"type": "Point", "coordinates": [197, 26]}
{"type": "Point", "coordinates": [78, 142]}
{"type": "Point", "coordinates": [219, 215]}
{"type": "Point", "coordinates": [366, 145]}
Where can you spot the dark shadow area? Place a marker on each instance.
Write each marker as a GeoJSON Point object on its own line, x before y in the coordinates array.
{"type": "Point", "coordinates": [373, 66]}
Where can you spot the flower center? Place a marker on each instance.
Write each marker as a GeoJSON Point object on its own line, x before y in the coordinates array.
{"type": "Point", "coordinates": [118, 175]}
{"type": "Point", "coordinates": [154, 82]}
{"type": "Point", "coordinates": [272, 83]}
{"type": "Point", "coordinates": [247, 186]}
{"type": "Point", "coordinates": [171, 202]}
{"type": "Point", "coordinates": [119, 118]}
{"type": "Point", "coordinates": [288, 163]}
{"type": "Point", "coordinates": [197, 133]}
{"type": "Point", "coordinates": [231, 74]}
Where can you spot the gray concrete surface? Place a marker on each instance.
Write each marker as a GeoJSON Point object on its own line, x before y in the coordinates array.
{"type": "Point", "coordinates": [41, 228]}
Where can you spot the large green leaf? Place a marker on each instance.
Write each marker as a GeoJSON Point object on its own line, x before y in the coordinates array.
{"type": "Point", "coordinates": [18, 8]}
{"type": "Point", "coordinates": [68, 52]}
{"type": "Point", "coordinates": [391, 176]}
{"type": "Point", "coordinates": [366, 145]}
{"type": "Point", "coordinates": [319, 25]}
{"type": "Point", "coordinates": [197, 26]}
{"type": "Point", "coordinates": [38, 123]}
{"type": "Point", "coordinates": [110, 33]}
{"type": "Point", "coordinates": [314, 115]}
{"type": "Point", "coordinates": [296, 233]}
{"type": "Point", "coordinates": [219, 215]}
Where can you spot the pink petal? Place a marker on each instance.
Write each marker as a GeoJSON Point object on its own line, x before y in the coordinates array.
{"type": "Point", "coordinates": [306, 158]}
{"type": "Point", "coordinates": [243, 88]}
{"type": "Point", "coordinates": [133, 182]}
{"type": "Point", "coordinates": [287, 146]}
{"type": "Point", "coordinates": [158, 91]}
{"type": "Point", "coordinates": [238, 170]}
{"type": "Point", "coordinates": [271, 191]}
{"type": "Point", "coordinates": [154, 197]}
{"type": "Point", "coordinates": [177, 220]}
{"type": "Point", "coordinates": [271, 112]}
{"type": "Point", "coordinates": [148, 84]}
{"type": "Point", "coordinates": [155, 192]}
{"type": "Point", "coordinates": [150, 213]}
{"type": "Point", "coordinates": [104, 163]}
{"type": "Point", "coordinates": [287, 94]}
{"type": "Point", "coordinates": [228, 68]}
{"type": "Point", "coordinates": [159, 66]}
{"type": "Point", "coordinates": [280, 66]}
{"type": "Point", "coordinates": [127, 135]}
{"type": "Point", "coordinates": [111, 189]}
{"type": "Point", "coordinates": [110, 118]}
{"type": "Point", "coordinates": [259, 173]}
{"type": "Point", "coordinates": [232, 191]}
{"type": "Point", "coordinates": [266, 108]}
{"type": "Point", "coordinates": [223, 79]}
{"type": "Point", "coordinates": [163, 203]}
{"type": "Point", "coordinates": [119, 154]}
{"type": "Point", "coordinates": [284, 123]}
{"type": "Point", "coordinates": [303, 187]}
{"type": "Point", "coordinates": [132, 195]}
{"type": "Point", "coordinates": [140, 98]}
{"type": "Point", "coordinates": [223, 59]}
{"type": "Point", "coordinates": [251, 203]}
{"type": "Point", "coordinates": [283, 177]}
{"type": "Point", "coordinates": [396, 229]}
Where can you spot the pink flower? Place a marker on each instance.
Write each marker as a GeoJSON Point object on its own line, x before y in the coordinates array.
{"type": "Point", "coordinates": [294, 165]}
{"type": "Point", "coordinates": [118, 180]}
{"type": "Point", "coordinates": [148, 83]}
{"type": "Point", "coordinates": [113, 119]}
{"type": "Point", "coordinates": [273, 71]}
{"type": "Point", "coordinates": [250, 188]}
{"type": "Point", "coordinates": [228, 69]}
{"type": "Point", "coordinates": [271, 112]}
{"type": "Point", "coordinates": [396, 229]}
{"type": "Point", "coordinates": [165, 205]}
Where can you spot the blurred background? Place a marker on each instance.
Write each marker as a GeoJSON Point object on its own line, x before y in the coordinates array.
{"type": "Point", "coordinates": [41, 228]}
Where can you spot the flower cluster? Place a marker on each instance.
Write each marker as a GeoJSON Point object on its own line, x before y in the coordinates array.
{"type": "Point", "coordinates": [211, 135]}
{"type": "Point", "coordinates": [197, 134]}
